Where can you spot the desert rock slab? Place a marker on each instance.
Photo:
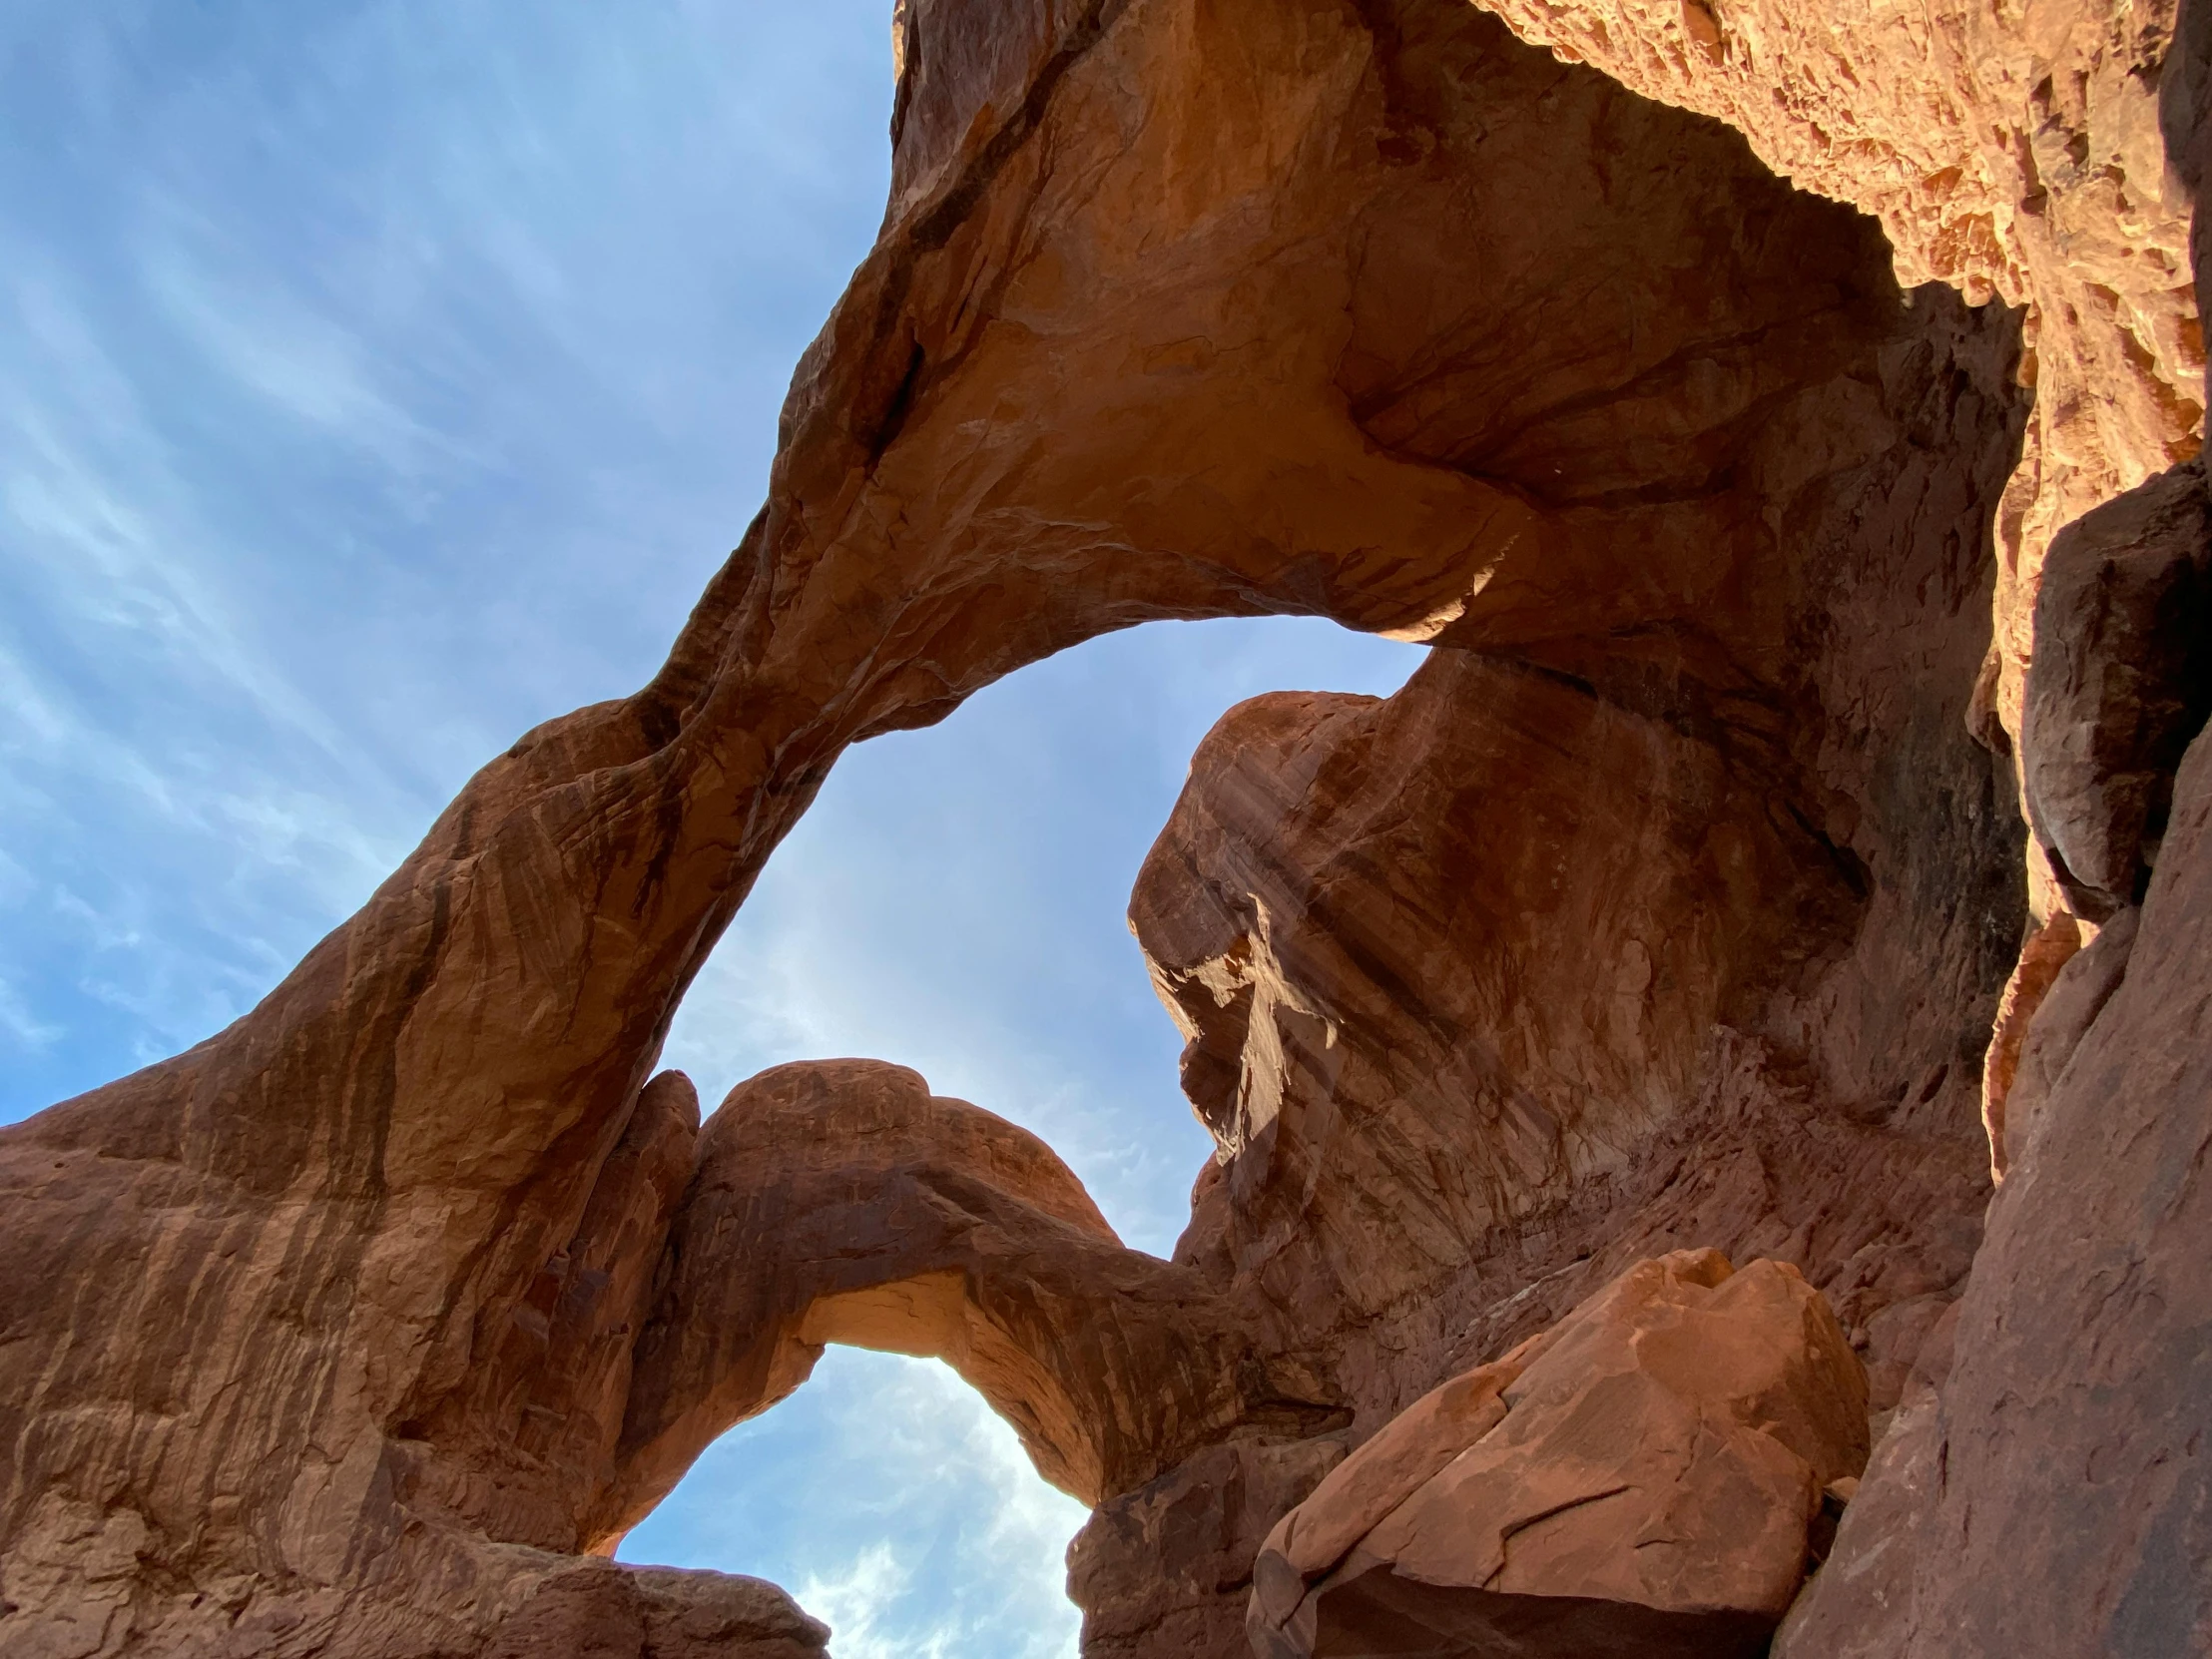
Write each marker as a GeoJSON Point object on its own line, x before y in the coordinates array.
{"type": "Point", "coordinates": [1644, 1476]}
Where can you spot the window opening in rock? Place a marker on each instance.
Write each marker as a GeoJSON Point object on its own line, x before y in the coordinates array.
{"type": "Point", "coordinates": [893, 1504]}
{"type": "Point", "coordinates": [955, 901]}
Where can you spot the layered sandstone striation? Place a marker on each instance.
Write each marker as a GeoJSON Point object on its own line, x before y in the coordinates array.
{"type": "Point", "coordinates": [1670, 906]}
{"type": "Point", "coordinates": [844, 1203]}
{"type": "Point", "coordinates": [2073, 1408]}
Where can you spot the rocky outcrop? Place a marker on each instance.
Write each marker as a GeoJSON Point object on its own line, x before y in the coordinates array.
{"type": "Point", "coordinates": [1501, 984]}
{"type": "Point", "coordinates": [842, 1201]}
{"type": "Point", "coordinates": [610, 1612]}
{"type": "Point", "coordinates": [2045, 154]}
{"type": "Point", "coordinates": [1167, 1569]}
{"type": "Point", "coordinates": [2121, 681]}
{"type": "Point", "coordinates": [1642, 1478]}
{"type": "Point", "coordinates": [2054, 1496]}
{"type": "Point", "coordinates": [1667, 908]}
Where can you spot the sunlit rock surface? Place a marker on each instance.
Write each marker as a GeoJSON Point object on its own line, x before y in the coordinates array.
{"type": "Point", "coordinates": [1643, 1478]}
{"type": "Point", "coordinates": [1671, 905]}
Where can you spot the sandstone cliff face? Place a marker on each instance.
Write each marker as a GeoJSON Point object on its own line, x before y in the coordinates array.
{"type": "Point", "coordinates": [2039, 152]}
{"type": "Point", "coordinates": [1669, 906]}
{"type": "Point", "coordinates": [1508, 981]}
{"type": "Point", "coordinates": [2074, 1416]}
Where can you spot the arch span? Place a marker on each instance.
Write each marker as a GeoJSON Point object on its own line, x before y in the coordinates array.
{"type": "Point", "coordinates": [841, 1202]}
{"type": "Point", "coordinates": [1180, 309]}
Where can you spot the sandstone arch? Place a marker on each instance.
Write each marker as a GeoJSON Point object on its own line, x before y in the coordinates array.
{"type": "Point", "coordinates": [1182, 307]}
{"type": "Point", "coordinates": [841, 1202]}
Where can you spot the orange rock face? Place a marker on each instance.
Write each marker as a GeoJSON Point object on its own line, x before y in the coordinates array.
{"type": "Point", "coordinates": [1498, 985]}
{"type": "Point", "coordinates": [2042, 153]}
{"type": "Point", "coordinates": [1641, 1477]}
{"type": "Point", "coordinates": [1669, 906]}
{"type": "Point", "coordinates": [2075, 1410]}
{"type": "Point", "coordinates": [843, 1203]}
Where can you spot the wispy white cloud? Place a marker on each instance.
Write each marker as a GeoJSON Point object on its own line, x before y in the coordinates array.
{"type": "Point", "coordinates": [378, 380]}
{"type": "Point", "coordinates": [896, 1506]}
{"type": "Point", "coordinates": [23, 1029]}
{"type": "Point", "coordinates": [372, 387]}
{"type": "Point", "coordinates": [855, 1603]}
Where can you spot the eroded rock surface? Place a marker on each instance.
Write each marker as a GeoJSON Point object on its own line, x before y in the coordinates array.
{"type": "Point", "coordinates": [841, 1202]}
{"type": "Point", "coordinates": [2054, 1496]}
{"type": "Point", "coordinates": [2044, 153]}
{"type": "Point", "coordinates": [1642, 1478]}
{"type": "Point", "coordinates": [1500, 984]}
{"type": "Point", "coordinates": [597, 1610]}
{"type": "Point", "coordinates": [1167, 1569]}
{"type": "Point", "coordinates": [2121, 681]}
{"type": "Point", "coordinates": [319, 1337]}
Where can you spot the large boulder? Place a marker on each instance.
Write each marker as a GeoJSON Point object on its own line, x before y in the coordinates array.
{"type": "Point", "coordinates": [2121, 680]}
{"type": "Point", "coordinates": [1644, 1479]}
{"type": "Point", "coordinates": [597, 1610]}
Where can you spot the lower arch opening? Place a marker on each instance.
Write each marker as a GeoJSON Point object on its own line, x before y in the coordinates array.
{"type": "Point", "coordinates": [896, 1507]}
{"type": "Point", "coordinates": [955, 900]}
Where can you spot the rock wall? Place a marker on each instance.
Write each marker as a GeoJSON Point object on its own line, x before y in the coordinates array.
{"type": "Point", "coordinates": [1644, 1477]}
{"type": "Point", "coordinates": [1670, 906]}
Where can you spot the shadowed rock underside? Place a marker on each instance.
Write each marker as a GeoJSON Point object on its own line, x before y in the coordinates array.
{"type": "Point", "coordinates": [1670, 907]}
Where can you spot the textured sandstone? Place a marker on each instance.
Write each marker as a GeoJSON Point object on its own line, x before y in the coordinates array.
{"type": "Point", "coordinates": [2056, 1496]}
{"type": "Point", "coordinates": [1667, 908]}
{"type": "Point", "coordinates": [1642, 1477]}
{"type": "Point", "coordinates": [1165, 335]}
{"type": "Point", "coordinates": [1498, 985]}
{"type": "Point", "coordinates": [841, 1202]}
{"type": "Point", "coordinates": [2121, 681]}
{"type": "Point", "coordinates": [2045, 954]}
{"type": "Point", "coordinates": [2044, 152]}
{"type": "Point", "coordinates": [1167, 1569]}
{"type": "Point", "coordinates": [599, 1611]}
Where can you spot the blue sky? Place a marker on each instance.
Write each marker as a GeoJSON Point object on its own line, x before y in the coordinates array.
{"type": "Point", "coordinates": [379, 379]}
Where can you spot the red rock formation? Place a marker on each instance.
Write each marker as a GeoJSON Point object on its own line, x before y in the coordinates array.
{"type": "Point", "coordinates": [843, 1203]}
{"type": "Point", "coordinates": [1503, 983]}
{"type": "Point", "coordinates": [1167, 1569]}
{"type": "Point", "coordinates": [1640, 1478]}
{"type": "Point", "coordinates": [2121, 681]}
{"type": "Point", "coordinates": [317, 1336]}
{"type": "Point", "coordinates": [610, 1612]}
{"type": "Point", "coordinates": [2053, 1496]}
{"type": "Point", "coordinates": [2017, 151]}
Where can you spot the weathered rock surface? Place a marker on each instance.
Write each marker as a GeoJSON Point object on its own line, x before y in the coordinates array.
{"type": "Point", "coordinates": [1643, 1478]}
{"type": "Point", "coordinates": [841, 1202]}
{"type": "Point", "coordinates": [2043, 959]}
{"type": "Point", "coordinates": [1167, 1569]}
{"type": "Point", "coordinates": [2121, 681]}
{"type": "Point", "coordinates": [1499, 985]}
{"type": "Point", "coordinates": [2046, 152]}
{"type": "Point", "coordinates": [319, 1337]}
{"type": "Point", "coordinates": [596, 1610]}
{"type": "Point", "coordinates": [2055, 1497]}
